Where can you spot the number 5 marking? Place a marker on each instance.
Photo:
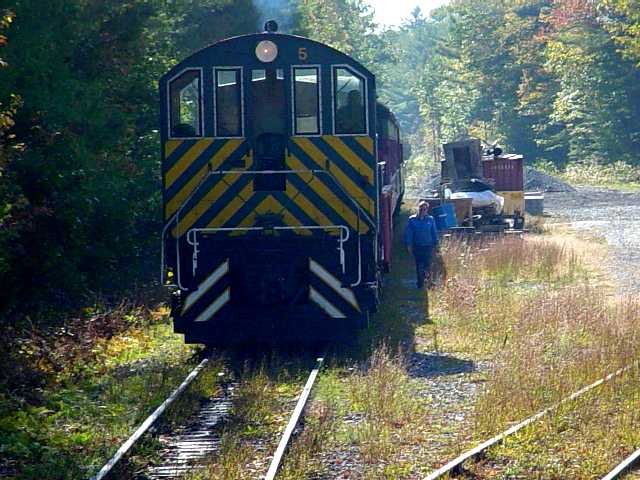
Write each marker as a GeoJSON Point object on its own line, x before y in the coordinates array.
{"type": "Point", "coordinates": [302, 53]}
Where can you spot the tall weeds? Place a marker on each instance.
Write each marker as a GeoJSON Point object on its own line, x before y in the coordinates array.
{"type": "Point", "coordinates": [487, 284]}
{"type": "Point", "coordinates": [550, 326]}
{"type": "Point", "coordinates": [385, 397]}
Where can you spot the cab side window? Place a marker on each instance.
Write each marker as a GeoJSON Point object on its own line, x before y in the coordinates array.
{"type": "Point", "coordinates": [306, 103]}
{"type": "Point", "coordinates": [185, 105]}
{"type": "Point", "coordinates": [349, 102]}
{"type": "Point", "coordinates": [228, 102]}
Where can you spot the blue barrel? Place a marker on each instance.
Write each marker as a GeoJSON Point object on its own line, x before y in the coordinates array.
{"type": "Point", "coordinates": [445, 216]}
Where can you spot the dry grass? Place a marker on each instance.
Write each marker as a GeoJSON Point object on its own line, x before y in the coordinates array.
{"type": "Point", "coordinates": [379, 400]}
{"type": "Point", "coordinates": [562, 341]}
{"type": "Point", "coordinates": [385, 397]}
{"type": "Point", "coordinates": [303, 458]}
{"type": "Point", "coordinates": [380, 390]}
{"type": "Point", "coordinates": [486, 287]}
{"type": "Point", "coordinates": [540, 310]}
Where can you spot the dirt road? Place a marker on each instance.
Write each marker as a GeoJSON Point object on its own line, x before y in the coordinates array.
{"type": "Point", "coordinates": [610, 214]}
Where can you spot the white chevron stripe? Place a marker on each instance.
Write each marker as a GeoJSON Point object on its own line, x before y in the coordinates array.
{"type": "Point", "coordinates": [214, 307]}
{"type": "Point", "coordinates": [334, 283]}
{"type": "Point", "coordinates": [324, 304]}
{"type": "Point", "coordinates": [211, 280]}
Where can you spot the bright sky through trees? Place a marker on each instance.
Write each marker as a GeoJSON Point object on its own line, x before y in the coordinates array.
{"type": "Point", "coordinates": [392, 12]}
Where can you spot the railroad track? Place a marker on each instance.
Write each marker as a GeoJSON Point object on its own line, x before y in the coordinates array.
{"type": "Point", "coordinates": [293, 421]}
{"type": "Point", "coordinates": [188, 447]}
{"type": "Point", "coordinates": [148, 423]}
{"type": "Point", "coordinates": [455, 467]}
{"type": "Point", "coordinates": [626, 467]}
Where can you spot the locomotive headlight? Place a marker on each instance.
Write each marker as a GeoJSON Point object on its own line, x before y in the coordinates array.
{"type": "Point", "coordinates": [266, 51]}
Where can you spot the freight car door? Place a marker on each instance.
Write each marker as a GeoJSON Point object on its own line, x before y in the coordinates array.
{"type": "Point", "coordinates": [268, 126]}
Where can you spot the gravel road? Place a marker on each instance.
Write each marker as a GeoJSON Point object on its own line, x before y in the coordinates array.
{"type": "Point", "coordinates": [610, 214]}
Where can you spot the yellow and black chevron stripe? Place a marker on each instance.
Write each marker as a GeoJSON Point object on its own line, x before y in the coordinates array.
{"type": "Point", "coordinates": [205, 197]}
{"type": "Point", "coordinates": [187, 162]}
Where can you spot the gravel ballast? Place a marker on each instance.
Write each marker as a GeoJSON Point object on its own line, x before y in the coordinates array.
{"type": "Point", "coordinates": [612, 215]}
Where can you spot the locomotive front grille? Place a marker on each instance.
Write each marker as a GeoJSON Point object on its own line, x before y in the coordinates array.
{"type": "Point", "coordinates": [270, 278]}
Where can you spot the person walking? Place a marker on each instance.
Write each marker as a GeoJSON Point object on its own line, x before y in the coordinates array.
{"type": "Point", "coordinates": [421, 238]}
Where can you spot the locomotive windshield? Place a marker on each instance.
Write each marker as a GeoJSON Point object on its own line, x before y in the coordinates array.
{"type": "Point", "coordinates": [228, 103]}
{"type": "Point", "coordinates": [306, 103]}
{"type": "Point", "coordinates": [268, 107]}
{"type": "Point", "coordinates": [268, 124]}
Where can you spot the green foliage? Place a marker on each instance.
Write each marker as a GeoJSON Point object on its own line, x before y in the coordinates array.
{"type": "Point", "coordinates": [91, 393]}
{"type": "Point", "coordinates": [79, 169]}
{"type": "Point", "coordinates": [346, 25]}
{"type": "Point", "coordinates": [549, 79]}
{"type": "Point", "coordinates": [611, 175]}
{"type": "Point", "coordinates": [595, 98]}
{"type": "Point", "coordinates": [622, 20]}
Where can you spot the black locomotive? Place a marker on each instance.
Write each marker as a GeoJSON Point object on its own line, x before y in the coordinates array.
{"type": "Point", "coordinates": [281, 174]}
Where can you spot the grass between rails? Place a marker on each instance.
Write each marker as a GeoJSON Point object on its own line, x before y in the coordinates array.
{"type": "Point", "coordinates": [262, 404]}
{"type": "Point", "coordinates": [89, 385]}
{"type": "Point", "coordinates": [361, 422]}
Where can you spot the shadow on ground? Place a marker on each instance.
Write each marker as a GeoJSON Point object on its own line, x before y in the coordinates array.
{"type": "Point", "coordinates": [430, 365]}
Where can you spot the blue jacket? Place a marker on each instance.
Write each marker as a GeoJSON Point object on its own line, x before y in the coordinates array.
{"type": "Point", "coordinates": [421, 232]}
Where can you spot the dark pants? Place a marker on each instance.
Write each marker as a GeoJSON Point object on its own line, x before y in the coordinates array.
{"type": "Point", "coordinates": [423, 256]}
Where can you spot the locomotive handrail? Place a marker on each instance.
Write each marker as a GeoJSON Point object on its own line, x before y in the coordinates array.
{"type": "Point", "coordinates": [162, 255]}
{"type": "Point", "coordinates": [360, 211]}
{"type": "Point", "coordinates": [192, 240]}
{"type": "Point", "coordinates": [177, 217]}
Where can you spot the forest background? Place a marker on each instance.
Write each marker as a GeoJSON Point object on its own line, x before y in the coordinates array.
{"type": "Point", "coordinates": [555, 80]}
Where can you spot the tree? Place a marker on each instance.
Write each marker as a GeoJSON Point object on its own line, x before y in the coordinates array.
{"type": "Point", "coordinates": [621, 18]}
{"type": "Point", "coordinates": [80, 171]}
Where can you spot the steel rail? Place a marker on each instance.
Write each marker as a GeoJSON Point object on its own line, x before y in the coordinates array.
{"type": "Point", "coordinates": [126, 446]}
{"type": "Point", "coordinates": [454, 465]}
{"type": "Point", "coordinates": [293, 422]}
{"type": "Point", "coordinates": [625, 465]}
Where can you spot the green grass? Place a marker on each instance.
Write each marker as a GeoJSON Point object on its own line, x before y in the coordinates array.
{"type": "Point", "coordinates": [261, 406]}
{"type": "Point", "coordinates": [386, 416]}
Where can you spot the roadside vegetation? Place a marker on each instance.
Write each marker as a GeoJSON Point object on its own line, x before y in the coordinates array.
{"type": "Point", "coordinates": [538, 310]}
{"type": "Point", "coordinates": [617, 175]}
{"type": "Point", "coordinates": [528, 321]}
{"type": "Point", "coordinates": [79, 392]}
